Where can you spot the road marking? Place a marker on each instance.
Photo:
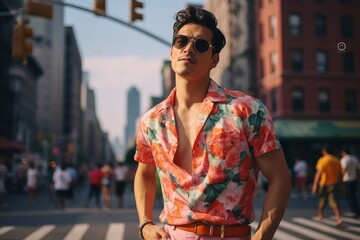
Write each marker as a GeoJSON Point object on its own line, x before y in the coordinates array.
{"type": "Point", "coordinates": [6, 229]}
{"type": "Point", "coordinates": [115, 231]}
{"type": "Point", "coordinates": [304, 231]}
{"type": "Point", "coordinates": [77, 232]}
{"type": "Point", "coordinates": [346, 227]}
{"type": "Point", "coordinates": [325, 228]}
{"type": "Point", "coordinates": [279, 235]}
{"type": "Point", "coordinates": [40, 233]}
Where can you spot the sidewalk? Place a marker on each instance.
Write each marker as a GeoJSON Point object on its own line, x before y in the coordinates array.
{"type": "Point", "coordinates": [18, 201]}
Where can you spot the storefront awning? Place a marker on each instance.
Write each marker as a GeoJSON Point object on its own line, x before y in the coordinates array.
{"type": "Point", "coordinates": [9, 146]}
{"type": "Point", "coordinates": [317, 129]}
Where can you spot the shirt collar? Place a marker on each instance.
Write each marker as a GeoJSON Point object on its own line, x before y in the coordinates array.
{"type": "Point", "coordinates": [215, 94]}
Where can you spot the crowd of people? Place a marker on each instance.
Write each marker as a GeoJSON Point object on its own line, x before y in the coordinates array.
{"type": "Point", "coordinates": [64, 181]}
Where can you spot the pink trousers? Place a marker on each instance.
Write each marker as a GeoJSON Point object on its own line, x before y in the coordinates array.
{"type": "Point", "coordinates": [178, 234]}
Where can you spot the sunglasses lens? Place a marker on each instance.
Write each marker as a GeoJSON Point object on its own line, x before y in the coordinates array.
{"type": "Point", "coordinates": [201, 45]}
{"type": "Point", "coordinates": [180, 41]}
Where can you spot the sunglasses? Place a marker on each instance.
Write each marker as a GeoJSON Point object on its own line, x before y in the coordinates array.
{"type": "Point", "coordinates": [201, 45]}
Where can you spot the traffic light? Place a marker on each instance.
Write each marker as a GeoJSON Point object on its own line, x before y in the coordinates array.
{"type": "Point", "coordinates": [20, 47]}
{"type": "Point", "coordinates": [100, 7]}
{"type": "Point", "coordinates": [39, 9]}
{"type": "Point", "coordinates": [135, 15]}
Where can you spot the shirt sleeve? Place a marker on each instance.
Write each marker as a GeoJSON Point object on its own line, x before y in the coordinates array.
{"type": "Point", "coordinates": [260, 129]}
{"type": "Point", "coordinates": [143, 151]}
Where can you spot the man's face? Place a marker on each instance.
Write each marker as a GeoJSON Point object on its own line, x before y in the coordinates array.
{"type": "Point", "coordinates": [188, 62]}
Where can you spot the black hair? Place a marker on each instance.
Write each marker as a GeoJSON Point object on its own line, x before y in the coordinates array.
{"type": "Point", "coordinates": [202, 17]}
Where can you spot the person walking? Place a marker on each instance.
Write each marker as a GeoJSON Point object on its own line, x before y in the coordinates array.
{"type": "Point", "coordinates": [32, 180]}
{"type": "Point", "coordinates": [350, 167]}
{"type": "Point", "coordinates": [121, 173]}
{"type": "Point", "coordinates": [106, 184]}
{"type": "Point", "coordinates": [300, 168]}
{"type": "Point", "coordinates": [207, 144]}
{"type": "Point", "coordinates": [95, 186]}
{"type": "Point", "coordinates": [3, 174]}
{"type": "Point", "coordinates": [61, 182]}
{"type": "Point", "coordinates": [326, 183]}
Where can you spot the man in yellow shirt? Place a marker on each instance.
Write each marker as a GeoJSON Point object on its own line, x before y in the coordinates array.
{"type": "Point", "coordinates": [327, 178]}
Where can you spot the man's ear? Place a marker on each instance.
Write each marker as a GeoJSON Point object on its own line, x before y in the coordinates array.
{"type": "Point", "coordinates": [215, 60]}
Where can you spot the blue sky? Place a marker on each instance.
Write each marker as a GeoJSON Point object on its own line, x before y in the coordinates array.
{"type": "Point", "coordinates": [118, 57]}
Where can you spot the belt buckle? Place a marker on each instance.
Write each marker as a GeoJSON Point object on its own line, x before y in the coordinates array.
{"type": "Point", "coordinates": [195, 231]}
{"type": "Point", "coordinates": [211, 232]}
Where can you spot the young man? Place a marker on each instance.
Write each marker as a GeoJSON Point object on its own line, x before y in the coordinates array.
{"type": "Point", "coordinates": [207, 145]}
{"type": "Point", "coordinates": [328, 178]}
{"type": "Point", "coordinates": [350, 167]}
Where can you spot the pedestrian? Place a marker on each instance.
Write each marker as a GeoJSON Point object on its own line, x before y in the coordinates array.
{"type": "Point", "coordinates": [72, 171]}
{"type": "Point", "coordinates": [300, 168]}
{"type": "Point", "coordinates": [207, 144]}
{"type": "Point", "coordinates": [106, 181]}
{"type": "Point", "coordinates": [95, 185]}
{"type": "Point", "coordinates": [32, 181]}
{"type": "Point", "coordinates": [326, 183]}
{"type": "Point", "coordinates": [61, 182]}
{"type": "Point", "coordinates": [3, 174]}
{"type": "Point", "coordinates": [121, 173]}
{"type": "Point", "coordinates": [350, 167]}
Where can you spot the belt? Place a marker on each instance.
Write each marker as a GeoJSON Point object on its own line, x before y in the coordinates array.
{"type": "Point", "coordinates": [216, 230]}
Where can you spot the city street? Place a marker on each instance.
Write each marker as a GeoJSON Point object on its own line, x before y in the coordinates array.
{"type": "Point", "coordinates": [20, 221]}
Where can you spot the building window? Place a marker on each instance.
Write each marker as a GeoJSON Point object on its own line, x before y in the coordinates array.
{"type": "Point", "coordinates": [350, 100]}
{"type": "Point", "coordinates": [261, 29]}
{"type": "Point", "coordinates": [273, 61]}
{"type": "Point", "coordinates": [346, 26]}
{"type": "Point", "coordinates": [324, 100]}
{"type": "Point", "coordinates": [295, 24]}
{"type": "Point", "coordinates": [274, 99]}
{"type": "Point", "coordinates": [296, 60]}
{"type": "Point", "coordinates": [272, 26]}
{"type": "Point", "coordinates": [320, 25]}
{"type": "Point", "coordinates": [348, 62]}
{"type": "Point", "coordinates": [298, 99]}
{"type": "Point", "coordinates": [321, 62]}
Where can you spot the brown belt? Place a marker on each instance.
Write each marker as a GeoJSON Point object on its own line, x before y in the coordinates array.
{"type": "Point", "coordinates": [216, 230]}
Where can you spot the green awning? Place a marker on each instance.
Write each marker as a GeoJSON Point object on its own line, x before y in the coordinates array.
{"type": "Point", "coordinates": [317, 129]}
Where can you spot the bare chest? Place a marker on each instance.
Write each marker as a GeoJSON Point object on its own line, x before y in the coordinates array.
{"type": "Point", "coordinates": [186, 124]}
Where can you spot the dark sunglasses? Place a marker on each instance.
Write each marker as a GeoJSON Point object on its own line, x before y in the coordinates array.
{"type": "Point", "coordinates": [201, 45]}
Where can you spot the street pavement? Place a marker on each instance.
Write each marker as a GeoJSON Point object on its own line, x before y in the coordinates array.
{"type": "Point", "coordinates": [43, 222]}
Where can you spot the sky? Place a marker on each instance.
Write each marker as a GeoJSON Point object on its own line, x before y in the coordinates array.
{"type": "Point", "coordinates": [118, 57]}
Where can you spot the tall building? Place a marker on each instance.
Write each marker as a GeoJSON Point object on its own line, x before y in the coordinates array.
{"type": "Point", "coordinates": [133, 112]}
{"type": "Point", "coordinates": [72, 89]}
{"type": "Point", "coordinates": [49, 51]}
{"type": "Point", "coordinates": [17, 90]}
{"type": "Point", "coordinates": [308, 72]}
{"type": "Point", "coordinates": [236, 68]}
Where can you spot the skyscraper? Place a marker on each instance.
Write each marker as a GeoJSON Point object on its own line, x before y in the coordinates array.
{"type": "Point", "coordinates": [133, 112]}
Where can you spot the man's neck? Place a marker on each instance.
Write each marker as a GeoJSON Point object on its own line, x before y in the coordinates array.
{"type": "Point", "coordinates": [189, 93]}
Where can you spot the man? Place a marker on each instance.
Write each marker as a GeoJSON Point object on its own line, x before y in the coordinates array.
{"type": "Point", "coordinates": [207, 145]}
{"type": "Point", "coordinates": [328, 177]}
{"type": "Point", "coordinates": [350, 168]}
{"type": "Point", "coordinates": [300, 169]}
{"type": "Point", "coordinates": [95, 176]}
{"type": "Point", "coordinates": [121, 173]}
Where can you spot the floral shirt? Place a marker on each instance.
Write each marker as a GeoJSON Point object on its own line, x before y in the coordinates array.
{"type": "Point", "coordinates": [232, 130]}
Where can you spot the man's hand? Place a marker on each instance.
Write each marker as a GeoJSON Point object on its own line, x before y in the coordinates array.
{"type": "Point", "coordinates": [153, 232]}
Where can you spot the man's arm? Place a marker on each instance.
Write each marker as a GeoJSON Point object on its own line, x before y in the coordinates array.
{"type": "Point", "coordinates": [273, 166]}
{"type": "Point", "coordinates": [316, 181]}
{"type": "Point", "coordinates": [144, 191]}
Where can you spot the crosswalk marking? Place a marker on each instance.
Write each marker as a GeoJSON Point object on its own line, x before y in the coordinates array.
{"type": "Point", "coordinates": [325, 228]}
{"type": "Point", "coordinates": [304, 231]}
{"type": "Point", "coordinates": [4, 230]}
{"type": "Point", "coordinates": [115, 231]}
{"type": "Point", "coordinates": [294, 229]}
{"type": "Point", "coordinates": [40, 233]}
{"type": "Point", "coordinates": [278, 234]}
{"type": "Point", "coordinates": [77, 232]}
